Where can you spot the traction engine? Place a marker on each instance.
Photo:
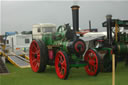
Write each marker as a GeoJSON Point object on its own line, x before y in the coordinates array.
{"type": "Point", "coordinates": [63, 49]}
{"type": "Point", "coordinates": [116, 43]}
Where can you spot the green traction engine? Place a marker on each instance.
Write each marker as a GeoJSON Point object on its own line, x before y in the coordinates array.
{"type": "Point", "coordinates": [63, 49]}
{"type": "Point", "coordinates": [116, 43]}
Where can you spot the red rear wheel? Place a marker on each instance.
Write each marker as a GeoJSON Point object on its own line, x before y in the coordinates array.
{"type": "Point", "coordinates": [93, 66]}
{"type": "Point", "coordinates": [37, 56]}
{"type": "Point", "coordinates": [62, 65]}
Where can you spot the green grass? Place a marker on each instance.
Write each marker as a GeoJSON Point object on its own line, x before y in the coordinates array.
{"type": "Point", "coordinates": [18, 76]}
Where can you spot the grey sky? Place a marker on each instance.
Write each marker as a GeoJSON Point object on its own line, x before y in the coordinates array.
{"type": "Point", "coordinates": [21, 15]}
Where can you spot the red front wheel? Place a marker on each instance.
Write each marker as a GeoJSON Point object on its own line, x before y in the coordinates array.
{"type": "Point", "coordinates": [62, 65]}
{"type": "Point", "coordinates": [93, 67]}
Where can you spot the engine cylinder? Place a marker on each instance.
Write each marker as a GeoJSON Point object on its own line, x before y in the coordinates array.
{"type": "Point", "coordinates": [77, 47]}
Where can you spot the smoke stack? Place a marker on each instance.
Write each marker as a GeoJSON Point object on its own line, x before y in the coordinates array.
{"type": "Point", "coordinates": [90, 26]}
{"type": "Point", "coordinates": [109, 28]}
{"type": "Point", "coordinates": [75, 17]}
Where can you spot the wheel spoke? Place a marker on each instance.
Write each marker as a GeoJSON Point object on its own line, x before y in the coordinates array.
{"type": "Point", "coordinates": [61, 71]}
{"type": "Point", "coordinates": [93, 62]}
{"type": "Point", "coordinates": [91, 54]}
{"type": "Point", "coordinates": [38, 52]}
{"type": "Point", "coordinates": [34, 48]}
{"type": "Point", "coordinates": [37, 65]}
{"type": "Point", "coordinates": [38, 59]}
{"type": "Point", "coordinates": [94, 58]}
{"type": "Point", "coordinates": [32, 52]}
{"type": "Point", "coordinates": [63, 64]}
{"type": "Point", "coordinates": [90, 67]}
{"type": "Point", "coordinates": [34, 60]}
{"type": "Point", "coordinates": [61, 59]}
{"type": "Point", "coordinates": [63, 67]}
{"type": "Point", "coordinates": [93, 69]}
{"type": "Point", "coordinates": [94, 66]}
{"type": "Point", "coordinates": [89, 57]}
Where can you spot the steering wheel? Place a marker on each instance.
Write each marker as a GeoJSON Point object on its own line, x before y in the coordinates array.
{"type": "Point", "coordinates": [61, 28]}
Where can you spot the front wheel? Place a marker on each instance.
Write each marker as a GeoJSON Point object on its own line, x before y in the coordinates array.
{"type": "Point", "coordinates": [93, 59]}
{"type": "Point", "coordinates": [62, 65]}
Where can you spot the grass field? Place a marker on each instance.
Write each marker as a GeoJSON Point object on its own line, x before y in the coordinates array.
{"type": "Point", "coordinates": [18, 76]}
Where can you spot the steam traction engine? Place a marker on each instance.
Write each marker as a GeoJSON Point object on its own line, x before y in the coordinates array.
{"type": "Point", "coordinates": [114, 44]}
{"type": "Point", "coordinates": [64, 49]}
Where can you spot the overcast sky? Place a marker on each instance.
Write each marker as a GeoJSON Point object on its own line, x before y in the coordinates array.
{"type": "Point", "coordinates": [21, 15]}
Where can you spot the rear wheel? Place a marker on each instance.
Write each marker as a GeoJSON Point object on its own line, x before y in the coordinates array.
{"type": "Point", "coordinates": [106, 60]}
{"type": "Point", "coordinates": [38, 56]}
{"type": "Point", "coordinates": [93, 67]}
{"type": "Point", "coordinates": [62, 65]}
{"type": "Point", "coordinates": [107, 66]}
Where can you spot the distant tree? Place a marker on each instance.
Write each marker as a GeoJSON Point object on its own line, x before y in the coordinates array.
{"type": "Point", "coordinates": [23, 32]}
{"type": "Point", "coordinates": [26, 32]}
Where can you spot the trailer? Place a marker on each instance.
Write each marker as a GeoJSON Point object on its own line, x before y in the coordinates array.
{"type": "Point", "coordinates": [19, 43]}
{"type": "Point", "coordinates": [16, 49]}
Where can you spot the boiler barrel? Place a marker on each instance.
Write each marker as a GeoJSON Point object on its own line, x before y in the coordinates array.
{"type": "Point", "coordinates": [122, 48]}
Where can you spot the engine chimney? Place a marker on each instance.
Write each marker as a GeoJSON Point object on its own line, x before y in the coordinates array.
{"type": "Point", "coordinates": [75, 17]}
{"type": "Point", "coordinates": [109, 28]}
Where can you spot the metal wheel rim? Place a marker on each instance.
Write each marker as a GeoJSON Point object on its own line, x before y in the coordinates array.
{"type": "Point", "coordinates": [34, 51]}
{"type": "Point", "coordinates": [92, 60]}
{"type": "Point", "coordinates": [60, 60]}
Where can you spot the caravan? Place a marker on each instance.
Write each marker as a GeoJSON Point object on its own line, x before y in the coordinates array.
{"type": "Point", "coordinates": [19, 43]}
